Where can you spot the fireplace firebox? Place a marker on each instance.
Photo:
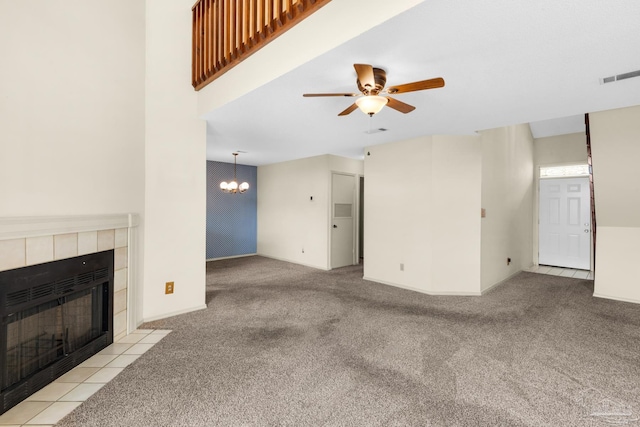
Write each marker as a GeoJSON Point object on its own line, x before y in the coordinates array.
{"type": "Point", "coordinates": [54, 317]}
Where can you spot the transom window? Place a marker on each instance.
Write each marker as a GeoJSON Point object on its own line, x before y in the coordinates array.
{"type": "Point", "coordinates": [564, 171]}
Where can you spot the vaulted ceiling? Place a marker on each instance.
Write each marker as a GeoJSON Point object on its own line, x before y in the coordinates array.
{"type": "Point", "coordinates": [504, 62]}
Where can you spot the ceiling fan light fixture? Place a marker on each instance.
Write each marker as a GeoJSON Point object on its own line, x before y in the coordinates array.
{"type": "Point", "coordinates": [371, 104]}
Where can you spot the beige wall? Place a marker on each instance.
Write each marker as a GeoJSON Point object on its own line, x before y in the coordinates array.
{"type": "Point", "coordinates": [422, 204]}
{"type": "Point", "coordinates": [560, 149]}
{"type": "Point", "coordinates": [615, 148]}
{"type": "Point", "coordinates": [507, 197]}
{"type": "Point", "coordinates": [288, 221]}
{"type": "Point", "coordinates": [175, 166]}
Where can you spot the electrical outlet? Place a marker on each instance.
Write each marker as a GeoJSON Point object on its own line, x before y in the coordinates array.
{"type": "Point", "coordinates": [168, 288]}
{"type": "Point", "coordinates": [401, 266]}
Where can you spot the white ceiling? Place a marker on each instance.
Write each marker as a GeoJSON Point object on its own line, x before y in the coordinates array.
{"type": "Point", "coordinates": [504, 62]}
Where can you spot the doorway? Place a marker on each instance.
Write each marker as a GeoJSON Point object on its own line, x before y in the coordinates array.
{"type": "Point", "coordinates": [565, 223]}
{"type": "Point", "coordinates": [343, 192]}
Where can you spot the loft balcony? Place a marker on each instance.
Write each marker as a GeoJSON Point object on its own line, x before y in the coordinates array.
{"type": "Point", "coordinates": [225, 32]}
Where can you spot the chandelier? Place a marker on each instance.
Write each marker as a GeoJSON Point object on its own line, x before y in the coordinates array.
{"type": "Point", "coordinates": [232, 186]}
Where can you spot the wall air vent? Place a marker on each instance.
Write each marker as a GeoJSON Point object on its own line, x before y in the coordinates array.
{"type": "Point", "coordinates": [623, 76]}
{"type": "Point", "coordinates": [376, 130]}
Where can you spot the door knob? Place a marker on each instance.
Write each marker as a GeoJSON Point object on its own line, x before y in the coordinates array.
{"type": "Point", "coordinates": [335, 226]}
{"type": "Point", "coordinates": [586, 230]}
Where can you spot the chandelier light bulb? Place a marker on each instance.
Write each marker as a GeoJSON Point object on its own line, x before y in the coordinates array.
{"type": "Point", "coordinates": [232, 187]}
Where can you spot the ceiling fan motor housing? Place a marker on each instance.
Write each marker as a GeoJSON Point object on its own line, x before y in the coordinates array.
{"type": "Point", "coordinates": [380, 77]}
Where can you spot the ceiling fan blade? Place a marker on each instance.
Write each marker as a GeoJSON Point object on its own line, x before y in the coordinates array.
{"type": "Point", "coordinates": [349, 110]}
{"type": "Point", "coordinates": [421, 85]}
{"type": "Point", "coordinates": [399, 105]}
{"type": "Point", "coordinates": [365, 75]}
{"type": "Point", "coordinates": [330, 94]}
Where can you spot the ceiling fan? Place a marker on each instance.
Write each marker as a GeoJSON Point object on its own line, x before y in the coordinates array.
{"type": "Point", "coordinates": [371, 82]}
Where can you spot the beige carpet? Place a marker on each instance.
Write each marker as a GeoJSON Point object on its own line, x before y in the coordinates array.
{"type": "Point", "coordinates": [285, 345]}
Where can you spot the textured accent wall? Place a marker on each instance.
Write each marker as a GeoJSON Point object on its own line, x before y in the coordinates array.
{"type": "Point", "coordinates": [231, 218]}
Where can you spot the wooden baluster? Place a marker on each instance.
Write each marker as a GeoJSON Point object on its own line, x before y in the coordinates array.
{"type": "Point", "coordinates": [219, 33]}
{"type": "Point", "coordinates": [262, 21]}
{"type": "Point", "coordinates": [199, 46]}
{"type": "Point", "coordinates": [207, 39]}
{"type": "Point", "coordinates": [246, 18]}
{"type": "Point", "coordinates": [203, 30]}
{"type": "Point", "coordinates": [194, 81]}
{"type": "Point", "coordinates": [222, 30]}
{"type": "Point", "coordinates": [270, 20]}
{"type": "Point", "coordinates": [300, 5]}
{"type": "Point", "coordinates": [202, 47]}
{"type": "Point", "coordinates": [254, 23]}
{"type": "Point", "coordinates": [278, 9]}
{"type": "Point", "coordinates": [212, 63]}
{"type": "Point", "coordinates": [234, 29]}
{"type": "Point", "coordinates": [196, 41]}
{"type": "Point", "coordinates": [214, 40]}
{"type": "Point", "coordinates": [240, 24]}
{"type": "Point", "coordinates": [289, 9]}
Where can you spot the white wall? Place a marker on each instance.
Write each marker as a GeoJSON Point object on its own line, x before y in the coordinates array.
{"type": "Point", "coordinates": [615, 152]}
{"type": "Point", "coordinates": [554, 150]}
{"type": "Point", "coordinates": [71, 107]}
{"type": "Point", "coordinates": [422, 204]}
{"type": "Point", "coordinates": [175, 167]}
{"type": "Point", "coordinates": [288, 220]}
{"type": "Point", "coordinates": [72, 111]}
{"type": "Point", "coordinates": [507, 197]}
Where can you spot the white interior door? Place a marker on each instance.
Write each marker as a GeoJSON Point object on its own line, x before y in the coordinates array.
{"type": "Point", "coordinates": [565, 223]}
{"type": "Point", "coordinates": [342, 220]}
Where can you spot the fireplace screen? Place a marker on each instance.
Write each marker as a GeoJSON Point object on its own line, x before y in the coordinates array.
{"type": "Point", "coordinates": [54, 316]}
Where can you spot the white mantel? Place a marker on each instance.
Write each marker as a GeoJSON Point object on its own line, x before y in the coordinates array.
{"type": "Point", "coordinates": [22, 227]}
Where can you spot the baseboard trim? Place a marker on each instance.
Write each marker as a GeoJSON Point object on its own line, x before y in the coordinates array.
{"type": "Point", "coordinates": [501, 282]}
{"type": "Point", "coordinates": [231, 257]}
{"type": "Point", "coordinates": [293, 262]}
{"type": "Point", "coordinates": [632, 301]}
{"type": "Point", "coordinates": [422, 291]}
{"type": "Point", "coordinates": [174, 313]}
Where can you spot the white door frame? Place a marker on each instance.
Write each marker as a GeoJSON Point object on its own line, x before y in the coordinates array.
{"type": "Point", "coordinates": [356, 201]}
{"type": "Point", "coordinates": [536, 213]}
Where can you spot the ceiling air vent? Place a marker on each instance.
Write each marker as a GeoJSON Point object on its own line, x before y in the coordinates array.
{"type": "Point", "coordinates": [624, 76]}
{"type": "Point", "coordinates": [376, 130]}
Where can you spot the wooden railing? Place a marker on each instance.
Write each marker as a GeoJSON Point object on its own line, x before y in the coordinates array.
{"type": "Point", "coordinates": [225, 32]}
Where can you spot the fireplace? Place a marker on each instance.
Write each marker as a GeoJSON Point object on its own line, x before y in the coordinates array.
{"type": "Point", "coordinates": [54, 316]}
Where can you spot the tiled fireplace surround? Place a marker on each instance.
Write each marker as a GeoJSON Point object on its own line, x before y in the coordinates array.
{"type": "Point", "coordinates": [35, 240]}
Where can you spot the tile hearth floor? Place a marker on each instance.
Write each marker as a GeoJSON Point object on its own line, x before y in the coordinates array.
{"type": "Point", "coordinates": [49, 405]}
